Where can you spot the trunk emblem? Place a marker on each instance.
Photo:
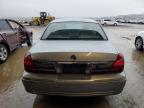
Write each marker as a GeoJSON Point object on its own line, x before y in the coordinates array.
{"type": "Point", "coordinates": [73, 57]}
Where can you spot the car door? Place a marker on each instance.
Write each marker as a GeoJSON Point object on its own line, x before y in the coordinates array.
{"type": "Point", "coordinates": [113, 22]}
{"type": "Point", "coordinates": [19, 30]}
{"type": "Point", "coordinates": [8, 34]}
{"type": "Point", "coordinates": [110, 22]}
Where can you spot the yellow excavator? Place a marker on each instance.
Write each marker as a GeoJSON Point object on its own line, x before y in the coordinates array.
{"type": "Point", "coordinates": [44, 19]}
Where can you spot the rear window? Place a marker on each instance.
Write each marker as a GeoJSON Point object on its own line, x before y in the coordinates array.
{"type": "Point", "coordinates": [74, 31]}
{"type": "Point", "coordinates": [4, 25]}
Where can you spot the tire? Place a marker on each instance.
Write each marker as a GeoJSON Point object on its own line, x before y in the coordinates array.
{"type": "Point", "coordinates": [105, 24]}
{"type": "Point", "coordinates": [36, 23]}
{"type": "Point", "coordinates": [3, 53]}
{"type": "Point", "coordinates": [30, 41]}
{"type": "Point", "coordinates": [139, 43]}
{"type": "Point", "coordinates": [115, 24]}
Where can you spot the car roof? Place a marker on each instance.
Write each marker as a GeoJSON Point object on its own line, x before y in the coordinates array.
{"type": "Point", "coordinates": [74, 20]}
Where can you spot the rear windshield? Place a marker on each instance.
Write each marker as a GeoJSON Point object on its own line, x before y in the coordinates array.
{"type": "Point", "coordinates": [74, 31]}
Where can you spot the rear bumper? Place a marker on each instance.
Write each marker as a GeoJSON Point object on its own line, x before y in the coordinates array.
{"type": "Point", "coordinates": [97, 85]}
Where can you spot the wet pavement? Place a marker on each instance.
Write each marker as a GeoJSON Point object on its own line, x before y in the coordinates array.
{"type": "Point", "coordinates": [13, 95]}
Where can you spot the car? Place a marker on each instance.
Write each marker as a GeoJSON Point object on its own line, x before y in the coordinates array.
{"type": "Point", "coordinates": [12, 35]}
{"type": "Point", "coordinates": [139, 41]}
{"type": "Point", "coordinates": [120, 20]}
{"type": "Point", "coordinates": [74, 58]}
{"type": "Point", "coordinates": [109, 22]}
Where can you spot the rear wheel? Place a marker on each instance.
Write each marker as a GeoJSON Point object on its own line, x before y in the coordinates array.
{"type": "Point", "coordinates": [139, 43]}
{"type": "Point", "coordinates": [115, 24]}
{"type": "Point", "coordinates": [3, 53]}
{"type": "Point", "coordinates": [105, 24]}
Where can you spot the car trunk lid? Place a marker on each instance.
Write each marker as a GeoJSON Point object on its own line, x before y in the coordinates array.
{"type": "Point", "coordinates": [75, 57]}
{"type": "Point", "coordinates": [65, 50]}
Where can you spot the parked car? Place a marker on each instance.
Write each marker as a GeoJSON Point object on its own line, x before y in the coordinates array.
{"type": "Point", "coordinates": [74, 58]}
{"type": "Point", "coordinates": [139, 41]}
{"type": "Point", "coordinates": [120, 20]}
{"type": "Point", "coordinates": [140, 21]}
{"type": "Point", "coordinates": [109, 22]}
{"type": "Point", "coordinates": [12, 35]}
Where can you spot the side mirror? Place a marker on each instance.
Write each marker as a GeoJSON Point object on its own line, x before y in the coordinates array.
{"type": "Point", "coordinates": [31, 33]}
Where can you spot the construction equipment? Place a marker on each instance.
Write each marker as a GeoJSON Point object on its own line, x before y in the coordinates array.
{"type": "Point", "coordinates": [44, 19]}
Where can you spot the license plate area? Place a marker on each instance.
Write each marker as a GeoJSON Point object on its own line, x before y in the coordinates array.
{"type": "Point", "coordinates": [74, 77]}
{"type": "Point", "coordinates": [73, 68]}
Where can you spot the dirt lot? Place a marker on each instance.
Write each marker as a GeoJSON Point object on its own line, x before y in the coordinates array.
{"type": "Point", "coordinates": [13, 95]}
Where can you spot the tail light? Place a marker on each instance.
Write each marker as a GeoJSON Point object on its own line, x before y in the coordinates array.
{"type": "Point", "coordinates": [28, 63]}
{"type": "Point", "coordinates": [118, 65]}
{"type": "Point", "coordinates": [38, 66]}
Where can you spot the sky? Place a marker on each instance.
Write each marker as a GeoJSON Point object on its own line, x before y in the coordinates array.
{"type": "Point", "coordinates": [70, 8]}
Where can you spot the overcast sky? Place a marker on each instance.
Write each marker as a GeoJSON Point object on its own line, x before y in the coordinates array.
{"type": "Point", "coordinates": [70, 8]}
